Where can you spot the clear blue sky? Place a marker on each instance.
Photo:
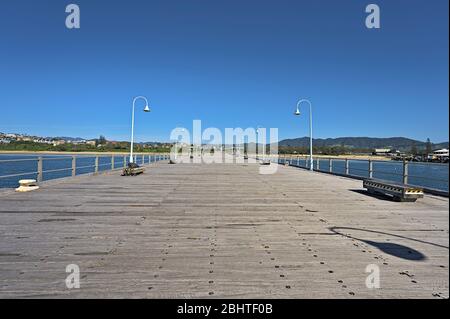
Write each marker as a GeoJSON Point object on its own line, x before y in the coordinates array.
{"type": "Point", "coordinates": [230, 63]}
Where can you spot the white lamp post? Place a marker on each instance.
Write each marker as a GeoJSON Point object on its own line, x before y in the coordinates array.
{"type": "Point", "coordinates": [263, 144]}
{"type": "Point", "coordinates": [297, 112]}
{"type": "Point", "coordinates": [177, 142]}
{"type": "Point", "coordinates": [146, 109]}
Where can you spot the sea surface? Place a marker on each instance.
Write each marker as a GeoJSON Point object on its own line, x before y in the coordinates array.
{"type": "Point", "coordinates": [429, 175]}
{"type": "Point", "coordinates": [57, 166]}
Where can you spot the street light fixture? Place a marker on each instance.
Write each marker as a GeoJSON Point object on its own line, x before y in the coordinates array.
{"type": "Point", "coordinates": [257, 142]}
{"type": "Point", "coordinates": [297, 113]}
{"type": "Point", "coordinates": [181, 129]}
{"type": "Point", "coordinates": [146, 109]}
{"type": "Point", "coordinates": [263, 144]}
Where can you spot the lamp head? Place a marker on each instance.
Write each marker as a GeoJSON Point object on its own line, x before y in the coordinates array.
{"type": "Point", "coordinates": [297, 112]}
{"type": "Point", "coordinates": [146, 109]}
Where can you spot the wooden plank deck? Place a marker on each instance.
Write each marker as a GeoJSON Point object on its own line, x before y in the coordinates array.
{"type": "Point", "coordinates": [220, 230]}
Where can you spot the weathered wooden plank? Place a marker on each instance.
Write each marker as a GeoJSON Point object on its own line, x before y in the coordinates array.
{"type": "Point", "coordinates": [220, 230]}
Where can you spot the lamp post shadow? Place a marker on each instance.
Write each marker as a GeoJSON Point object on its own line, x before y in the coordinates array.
{"type": "Point", "coordinates": [393, 249]}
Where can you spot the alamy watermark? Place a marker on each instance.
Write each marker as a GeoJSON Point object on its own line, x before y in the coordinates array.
{"type": "Point", "coordinates": [373, 279]}
{"type": "Point", "coordinates": [234, 145]}
{"type": "Point", "coordinates": [73, 19]}
{"type": "Point", "coordinates": [73, 279]}
{"type": "Point", "coordinates": [373, 19]}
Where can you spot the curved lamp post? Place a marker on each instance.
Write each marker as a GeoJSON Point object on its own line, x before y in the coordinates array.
{"type": "Point", "coordinates": [297, 113]}
{"type": "Point", "coordinates": [257, 142]}
{"type": "Point", "coordinates": [177, 142]}
{"type": "Point", "coordinates": [146, 109]}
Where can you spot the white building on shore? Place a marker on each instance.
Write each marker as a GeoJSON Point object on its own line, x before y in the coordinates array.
{"type": "Point", "coordinates": [441, 153]}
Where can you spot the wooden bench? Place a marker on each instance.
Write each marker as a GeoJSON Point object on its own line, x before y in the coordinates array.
{"type": "Point", "coordinates": [399, 192]}
{"type": "Point", "coordinates": [132, 171]}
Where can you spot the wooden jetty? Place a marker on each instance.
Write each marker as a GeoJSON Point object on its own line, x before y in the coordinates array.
{"type": "Point", "coordinates": [220, 231]}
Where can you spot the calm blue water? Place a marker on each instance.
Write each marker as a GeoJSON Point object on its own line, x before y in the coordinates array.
{"type": "Point", "coordinates": [61, 163]}
{"type": "Point", "coordinates": [429, 175]}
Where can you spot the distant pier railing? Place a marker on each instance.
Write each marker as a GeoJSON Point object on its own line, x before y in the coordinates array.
{"type": "Point", "coordinates": [432, 177]}
{"type": "Point", "coordinates": [47, 167]}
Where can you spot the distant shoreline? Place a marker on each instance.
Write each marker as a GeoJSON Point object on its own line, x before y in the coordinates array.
{"type": "Point", "coordinates": [362, 157]}
{"type": "Point", "coordinates": [78, 153]}
{"type": "Point", "coordinates": [349, 156]}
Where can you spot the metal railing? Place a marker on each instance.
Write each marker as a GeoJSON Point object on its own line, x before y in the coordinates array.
{"type": "Point", "coordinates": [47, 167]}
{"type": "Point", "coordinates": [395, 171]}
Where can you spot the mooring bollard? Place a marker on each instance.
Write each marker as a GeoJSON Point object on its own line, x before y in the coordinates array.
{"type": "Point", "coordinates": [347, 168]}
{"type": "Point", "coordinates": [370, 168]}
{"type": "Point", "coordinates": [112, 162]}
{"type": "Point", "coordinates": [330, 165]}
{"type": "Point", "coordinates": [27, 185]}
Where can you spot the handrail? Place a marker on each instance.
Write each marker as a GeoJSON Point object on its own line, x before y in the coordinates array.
{"type": "Point", "coordinates": [346, 166]}
{"type": "Point", "coordinates": [114, 162]}
{"type": "Point", "coordinates": [19, 174]}
{"type": "Point", "coordinates": [18, 160]}
{"type": "Point", "coordinates": [57, 170]}
{"type": "Point", "coordinates": [337, 158]}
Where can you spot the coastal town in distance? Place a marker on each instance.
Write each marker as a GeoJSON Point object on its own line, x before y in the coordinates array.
{"type": "Point", "coordinates": [404, 148]}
